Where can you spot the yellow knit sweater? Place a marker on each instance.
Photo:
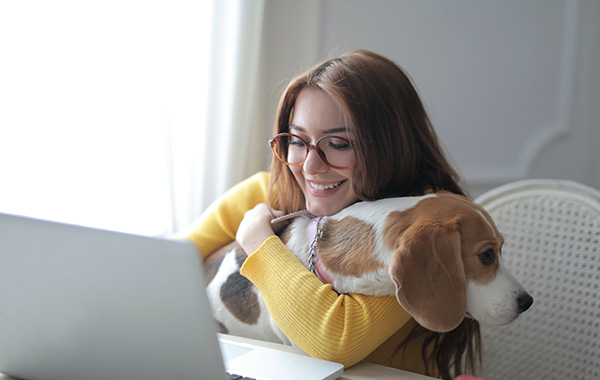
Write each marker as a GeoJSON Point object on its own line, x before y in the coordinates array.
{"type": "Point", "coordinates": [338, 327]}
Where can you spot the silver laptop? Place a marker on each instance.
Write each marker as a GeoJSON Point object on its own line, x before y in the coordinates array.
{"type": "Point", "coordinates": [83, 303]}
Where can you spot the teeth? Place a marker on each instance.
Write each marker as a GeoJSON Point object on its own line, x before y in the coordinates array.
{"type": "Point", "coordinates": [324, 187]}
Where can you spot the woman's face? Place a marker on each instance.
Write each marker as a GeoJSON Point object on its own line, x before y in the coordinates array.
{"type": "Point", "coordinates": [327, 190]}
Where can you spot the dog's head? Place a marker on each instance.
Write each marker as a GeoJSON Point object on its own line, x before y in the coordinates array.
{"type": "Point", "coordinates": [447, 264]}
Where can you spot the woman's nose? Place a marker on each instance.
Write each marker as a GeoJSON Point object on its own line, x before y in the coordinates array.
{"type": "Point", "coordinates": [314, 163]}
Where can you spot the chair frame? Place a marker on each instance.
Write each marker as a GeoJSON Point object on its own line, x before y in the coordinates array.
{"type": "Point", "coordinates": [556, 320]}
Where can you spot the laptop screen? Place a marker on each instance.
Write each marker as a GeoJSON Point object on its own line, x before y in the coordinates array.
{"type": "Point", "coordinates": [82, 303]}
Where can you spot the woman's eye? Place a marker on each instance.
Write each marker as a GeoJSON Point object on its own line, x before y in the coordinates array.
{"type": "Point", "coordinates": [338, 144]}
{"type": "Point", "coordinates": [295, 141]}
{"type": "Point", "coordinates": [487, 257]}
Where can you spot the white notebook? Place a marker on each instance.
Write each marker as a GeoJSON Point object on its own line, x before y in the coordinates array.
{"type": "Point", "coordinates": [83, 303]}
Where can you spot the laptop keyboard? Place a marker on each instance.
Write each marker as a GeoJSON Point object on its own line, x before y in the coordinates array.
{"type": "Point", "coordinates": [238, 377]}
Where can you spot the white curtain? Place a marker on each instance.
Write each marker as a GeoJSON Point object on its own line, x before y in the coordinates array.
{"type": "Point", "coordinates": [208, 161]}
{"type": "Point", "coordinates": [88, 90]}
{"type": "Point", "coordinates": [126, 114]}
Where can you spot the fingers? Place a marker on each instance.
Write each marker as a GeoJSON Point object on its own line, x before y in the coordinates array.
{"type": "Point", "coordinates": [255, 228]}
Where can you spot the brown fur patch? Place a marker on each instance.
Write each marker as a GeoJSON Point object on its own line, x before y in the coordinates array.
{"type": "Point", "coordinates": [346, 247]}
{"type": "Point", "coordinates": [240, 256]}
{"type": "Point", "coordinates": [285, 234]}
{"type": "Point", "coordinates": [477, 229]}
{"type": "Point", "coordinates": [212, 263]}
{"type": "Point", "coordinates": [478, 234]}
{"type": "Point", "coordinates": [429, 275]}
{"type": "Point", "coordinates": [396, 223]}
{"type": "Point", "coordinates": [238, 296]}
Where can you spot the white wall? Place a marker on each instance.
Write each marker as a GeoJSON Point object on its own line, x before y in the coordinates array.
{"type": "Point", "coordinates": [511, 86]}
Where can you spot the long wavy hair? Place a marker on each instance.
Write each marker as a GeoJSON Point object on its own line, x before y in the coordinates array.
{"type": "Point", "coordinates": [398, 154]}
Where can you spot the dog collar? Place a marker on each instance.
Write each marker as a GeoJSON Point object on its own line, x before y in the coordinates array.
{"type": "Point", "coordinates": [313, 234]}
{"type": "Point", "coordinates": [290, 216]}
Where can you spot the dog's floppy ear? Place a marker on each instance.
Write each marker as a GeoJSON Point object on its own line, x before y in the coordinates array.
{"type": "Point", "coordinates": [429, 275]}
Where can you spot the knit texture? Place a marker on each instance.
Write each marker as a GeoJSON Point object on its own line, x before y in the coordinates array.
{"type": "Point", "coordinates": [345, 328]}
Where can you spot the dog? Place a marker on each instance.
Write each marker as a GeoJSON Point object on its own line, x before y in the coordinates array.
{"type": "Point", "coordinates": [439, 254]}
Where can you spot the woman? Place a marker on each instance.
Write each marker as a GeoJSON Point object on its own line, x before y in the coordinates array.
{"type": "Point", "coordinates": [352, 128]}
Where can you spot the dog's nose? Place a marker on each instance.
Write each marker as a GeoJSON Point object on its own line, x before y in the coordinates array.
{"type": "Point", "coordinates": [525, 301]}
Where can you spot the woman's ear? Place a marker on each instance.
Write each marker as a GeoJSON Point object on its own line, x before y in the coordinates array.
{"type": "Point", "coordinates": [429, 275]}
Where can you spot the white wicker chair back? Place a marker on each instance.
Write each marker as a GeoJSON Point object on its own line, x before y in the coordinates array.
{"type": "Point", "coordinates": [552, 245]}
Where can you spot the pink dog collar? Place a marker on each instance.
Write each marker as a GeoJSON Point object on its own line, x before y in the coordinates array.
{"type": "Point", "coordinates": [314, 260]}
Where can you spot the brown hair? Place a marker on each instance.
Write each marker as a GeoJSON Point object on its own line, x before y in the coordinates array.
{"type": "Point", "coordinates": [398, 151]}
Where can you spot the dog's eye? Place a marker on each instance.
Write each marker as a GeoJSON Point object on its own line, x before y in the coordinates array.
{"type": "Point", "coordinates": [487, 257]}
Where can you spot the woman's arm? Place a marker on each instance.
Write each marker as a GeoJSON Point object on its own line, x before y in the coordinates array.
{"type": "Point", "coordinates": [218, 225]}
{"type": "Point", "coordinates": [341, 328]}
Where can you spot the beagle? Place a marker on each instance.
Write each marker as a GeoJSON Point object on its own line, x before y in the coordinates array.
{"type": "Point", "coordinates": [439, 254]}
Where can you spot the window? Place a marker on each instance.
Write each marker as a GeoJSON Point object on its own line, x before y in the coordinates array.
{"type": "Point", "coordinates": [90, 94]}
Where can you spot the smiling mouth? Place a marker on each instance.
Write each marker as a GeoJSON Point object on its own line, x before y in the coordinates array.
{"type": "Point", "coordinates": [325, 187]}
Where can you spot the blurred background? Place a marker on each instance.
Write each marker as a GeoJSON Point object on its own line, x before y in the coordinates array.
{"type": "Point", "coordinates": [134, 115]}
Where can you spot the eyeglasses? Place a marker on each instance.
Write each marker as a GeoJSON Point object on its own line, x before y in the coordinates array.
{"type": "Point", "coordinates": [335, 151]}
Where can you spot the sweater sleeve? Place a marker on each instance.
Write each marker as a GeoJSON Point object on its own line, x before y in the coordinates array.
{"type": "Point", "coordinates": [340, 327]}
{"type": "Point", "coordinates": [218, 225]}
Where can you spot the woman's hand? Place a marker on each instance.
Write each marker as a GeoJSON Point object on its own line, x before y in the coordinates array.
{"type": "Point", "coordinates": [256, 227]}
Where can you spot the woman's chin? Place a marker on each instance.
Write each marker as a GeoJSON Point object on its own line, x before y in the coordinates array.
{"type": "Point", "coordinates": [321, 202]}
{"type": "Point", "coordinates": [324, 208]}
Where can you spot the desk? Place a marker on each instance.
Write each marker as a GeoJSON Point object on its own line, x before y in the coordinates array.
{"type": "Point", "coordinates": [361, 371]}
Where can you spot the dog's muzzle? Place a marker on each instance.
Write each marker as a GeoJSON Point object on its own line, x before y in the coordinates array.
{"type": "Point", "coordinates": [524, 301]}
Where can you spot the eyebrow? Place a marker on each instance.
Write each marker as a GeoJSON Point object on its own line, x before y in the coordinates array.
{"type": "Point", "coordinates": [330, 130]}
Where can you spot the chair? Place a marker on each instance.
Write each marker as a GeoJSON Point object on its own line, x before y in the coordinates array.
{"type": "Point", "coordinates": [552, 245]}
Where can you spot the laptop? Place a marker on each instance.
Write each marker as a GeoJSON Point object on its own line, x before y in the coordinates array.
{"type": "Point", "coordinates": [84, 303]}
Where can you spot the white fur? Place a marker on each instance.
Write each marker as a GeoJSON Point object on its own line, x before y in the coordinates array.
{"type": "Point", "coordinates": [489, 223]}
{"type": "Point", "coordinates": [375, 213]}
{"type": "Point", "coordinates": [494, 303]}
{"type": "Point", "coordinates": [377, 283]}
{"type": "Point", "coordinates": [491, 304]}
{"type": "Point", "coordinates": [261, 330]}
